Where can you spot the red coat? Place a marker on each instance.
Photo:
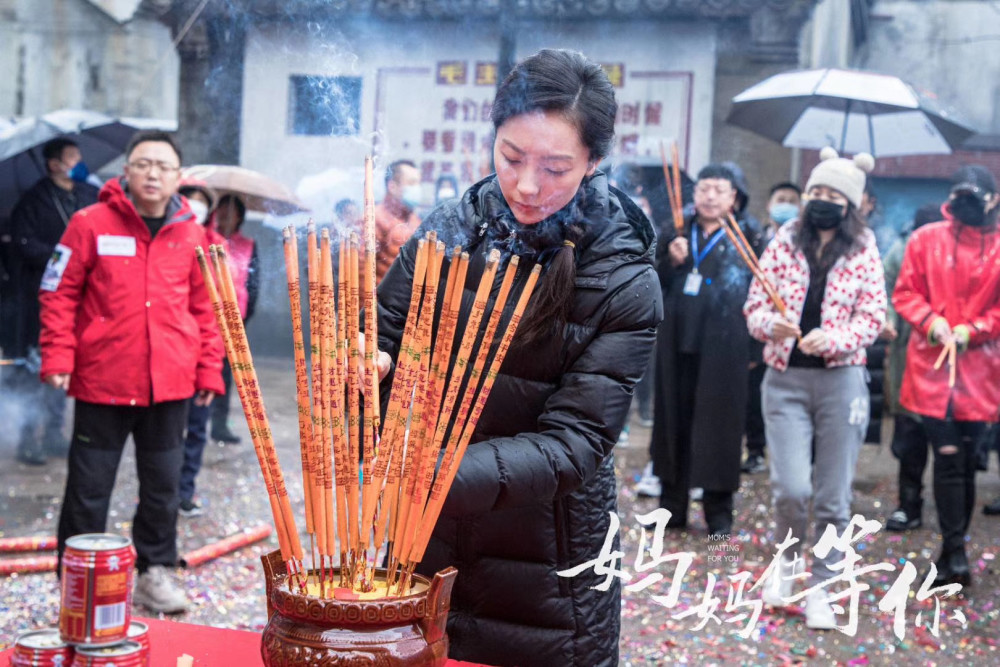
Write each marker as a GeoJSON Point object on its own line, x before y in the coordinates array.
{"type": "Point", "coordinates": [129, 317]}
{"type": "Point", "coordinates": [394, 225]}
{"type": "Point", "coordinates": [239, 252]}
{"type": "Point", "coordinates": [951, 270]}
{"type": "Point", "coordinates": [240, 257]}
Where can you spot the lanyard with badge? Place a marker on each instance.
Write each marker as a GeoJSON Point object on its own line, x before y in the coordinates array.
{"type": "Point", "coordinates": [692, 284]}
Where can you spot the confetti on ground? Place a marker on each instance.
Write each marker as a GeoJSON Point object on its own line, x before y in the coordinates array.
{"type": "Point", "coordinates": [229, 592]}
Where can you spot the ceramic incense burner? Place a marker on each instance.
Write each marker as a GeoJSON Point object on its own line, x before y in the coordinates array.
{"type": "Point", "coordinates": [305, 629]}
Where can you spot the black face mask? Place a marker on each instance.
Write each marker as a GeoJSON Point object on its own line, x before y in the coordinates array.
{"type": "Point", "coordinates": [969, 210]}
{"type": "Point", "coordinates": [823, 214]}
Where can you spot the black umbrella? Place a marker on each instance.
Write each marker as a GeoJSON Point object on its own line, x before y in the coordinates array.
{"type": "Point", "coordinates": [100, 138]}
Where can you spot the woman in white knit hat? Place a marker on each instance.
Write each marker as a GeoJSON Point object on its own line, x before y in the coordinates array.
{"type": "Point", "coordinates": [825, 266]}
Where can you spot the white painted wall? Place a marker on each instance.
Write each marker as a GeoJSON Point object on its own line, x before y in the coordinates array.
{"type": "Point", "coordinates": [828, 36]}
{"type": "Point", "coordinates": [119, 10]}
{"type": "Point", "coordinates": [57, 54]}
{"type": "Point", "coordinates": [275, 52]}
{"type": "Point", "coordinates": [951, 48]}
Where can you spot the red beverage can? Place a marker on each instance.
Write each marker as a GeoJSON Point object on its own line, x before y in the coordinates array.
{"type": "Point", "coordinates": [41, 648]}
{"type": "Point", "coordinates": [139, 632]}
{"type": "Point", "coordinates": [124, 654]}
{"type": "Point", "coordinates": [96, 604]}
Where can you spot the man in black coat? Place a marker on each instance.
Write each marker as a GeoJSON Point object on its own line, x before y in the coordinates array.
{"type": "Point", "coordinates": [37, 223]}
{"type": "Point", "coordinates": [702, 357]}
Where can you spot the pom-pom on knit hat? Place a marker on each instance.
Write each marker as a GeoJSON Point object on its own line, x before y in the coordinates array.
{"type": "Point", "coordinates": [845, 176]}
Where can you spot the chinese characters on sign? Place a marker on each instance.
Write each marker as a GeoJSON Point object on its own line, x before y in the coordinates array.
{"type": "Point", "coordinates": [439, 116]}
{"type": "Point", "coordinates": [743, 603]}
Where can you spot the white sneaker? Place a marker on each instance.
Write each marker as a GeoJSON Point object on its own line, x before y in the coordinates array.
{"type": "Point", "coordinates": [156, 591]}
{"type": "Point", "coordinates": [649, 484]}
{"type": "Point", "coordinates": [819, 613]}
{"type": "Point", "coordinates": [778, 587]}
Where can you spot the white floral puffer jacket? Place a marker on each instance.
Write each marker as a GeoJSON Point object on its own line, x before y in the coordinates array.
{"type": "Point", "coordinates": [853, 309]}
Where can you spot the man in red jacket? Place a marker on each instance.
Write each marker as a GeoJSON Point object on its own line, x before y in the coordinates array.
{"type": "Point", "coordinates": [949, 291]}
{"type": "Point", "coordinates": [128, 330]}
{"type": "Point", "coordinates": [395, 216]}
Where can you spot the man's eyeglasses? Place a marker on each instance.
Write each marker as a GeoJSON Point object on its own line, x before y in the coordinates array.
{"type": "Point", "coordinates": [721, 190]}
{"type": "Point", "coordinates": [143, 166]}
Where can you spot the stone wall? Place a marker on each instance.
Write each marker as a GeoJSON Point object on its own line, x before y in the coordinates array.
{"type": "Point", "coordinates": [69, 54]}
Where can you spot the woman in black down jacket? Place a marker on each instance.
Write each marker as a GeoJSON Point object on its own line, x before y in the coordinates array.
{"type": "Point", "coordinates": [534, 491]}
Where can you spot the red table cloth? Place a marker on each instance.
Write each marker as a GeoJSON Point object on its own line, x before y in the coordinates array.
{"type": "Point", "coordinates": [210, 647]}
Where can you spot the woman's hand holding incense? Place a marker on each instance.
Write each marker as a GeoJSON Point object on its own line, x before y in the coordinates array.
{"type": "Point", "coordinates": [784, 329]}
{"type": "Point", "coordinates": [815, 343]}
{"type": "Point", "coordinates": [941, 332]}
{"type": "Point", "coordinates": [678, 250]}
{"type": "Point", "coordinates": [382, 360]}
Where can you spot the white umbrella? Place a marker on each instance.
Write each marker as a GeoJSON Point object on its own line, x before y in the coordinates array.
{"type": "Point", "coordinates": [851, 110]}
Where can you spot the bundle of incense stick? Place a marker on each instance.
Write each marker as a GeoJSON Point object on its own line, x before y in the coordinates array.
{"type": "Point", "coordinates": [222, 293]}
{"type": "Point", "coordinates": [949, 351]}
{"type": "Point", "coordinates": [387, 488]}
{"type": "Point", "coordinates": [374, 489]}
{"type": "Point", "coordinates": [672, 176]}
{"type": "Point", "coordinates": [743, 247]}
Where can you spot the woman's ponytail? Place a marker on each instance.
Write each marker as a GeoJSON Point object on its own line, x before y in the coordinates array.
{"type": "Point", "coordinates": [550, 305]}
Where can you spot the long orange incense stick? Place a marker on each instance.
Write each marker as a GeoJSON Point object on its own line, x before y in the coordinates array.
{"type": "Point", "coordinates": [672, 197]}
{"type": "Point", "coordinates": [676, 169]}
{"type": "Point", "coordinates": [945, 351]}
{"type": "Point", "coordinates": [422, 421]}
{"type": "Point", "coordinates": [423, 345]}
{"type": "Point", "coordinates": [468, 343]}
{"type": "Point", "coordinates": [425, 469]}
{"type": "Point", "coordinates": [399, 405]}
{"type": "Point", "coordinates": [475, 373]}
{"type": "Point", "coordinates": [949, 351]}
{"type": "Point", "coordinates": [745, 250]}
{"type": "Point", "coordinates": [952, 364]}
{"type": "Point", "coordinates": [371, 382]}
{"type": "Point", "coordinates": [416, 441]}
{"type": "Point", "coordinates": [301, 372]}
{"type": "Point", "coordinates": [329, 356]}
{"type": "Point", "coordinates": [473, 381]}
{"type": "Point", "coordinates": [430, 392]}
{"type": "Point", "coordinates": [353, 396]}
{"type": "Point", "coordinates": [315, 331]}
{"type": "Point", "coordinates": [485, 347]}
{"type": "Point", "coordinates": [436, 374]}
{"type": "Point", "coordinates": [218, 307]}
{"type": "Point", "coordinates": [242, 350]}
{"type": "Point", "coordinates": [441, 359]}
{"type": "Point", "coordinates": [447, 477]}
{"type": "Point", "coordinates": [743, 239]}
{"type": "Point", "coordinates": [340, 435]}
{"type": "Point", "coordinates": [437, 381]}
{"type": "Point", "coordinates": [748, 259]}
